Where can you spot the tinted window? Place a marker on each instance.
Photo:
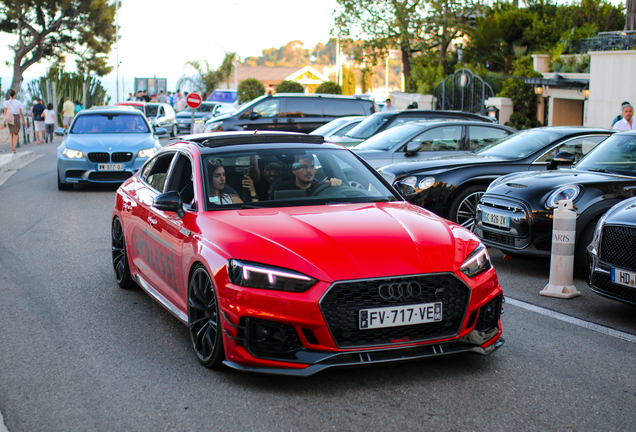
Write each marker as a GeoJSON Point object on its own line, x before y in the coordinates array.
{"type": "Point", "coordinates": [109, 123]}
{"type": "Point", "coordinates": [342, 108]}
{"type": "Point", "coordinates": [269, 107]}
{"type": "Point", "coordinates": [521, 144]}
{"type": "Point", "coordinates": [480, 136]}
{"type": "Point", "coordinates": [303, 107]}
{"type": "Point", "coordinates": [440, 138]}
{"type": "Point", "coordinates": [579, 147]}
{"type": "Point", "coordinates": [151, 110]}
{"type": "Point", "coordinates": [616, 154]}
{"type": "Point", "coordinates": [155, 171]}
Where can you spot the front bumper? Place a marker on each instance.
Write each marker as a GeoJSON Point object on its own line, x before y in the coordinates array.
{"type": "Point", "coordinates": [73, 171]}
{"type": "Point", "coordinates": [600, 280]}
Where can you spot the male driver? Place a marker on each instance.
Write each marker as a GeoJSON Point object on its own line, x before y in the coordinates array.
{"type": "Point", "coordinates": [38, 121]}
{"type": "Point", "coordinates": [68, 111]}
{"type": "Point", "coordinates": [627, 123]}
{"type": "Point", "coordinates": [304, 170]}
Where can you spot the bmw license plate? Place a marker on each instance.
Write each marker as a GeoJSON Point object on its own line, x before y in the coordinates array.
{"type": "Point", "coordinates": [394, 316]}
{"type": "Point", "coordinates": [495, 219]}
{"type": "Point", "coordinates": [623, 277]}
{"type": "Point", "coordinates": [110, 167]}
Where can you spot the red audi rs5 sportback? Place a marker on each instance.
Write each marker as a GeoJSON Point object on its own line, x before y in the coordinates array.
{"type": "Point", "coordinates": [286, 254]}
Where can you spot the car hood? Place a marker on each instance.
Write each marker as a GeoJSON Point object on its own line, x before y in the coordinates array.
{"type": "Point", "coordinates": [441, 162]}
{"type": "Point", "coordinates": [346, 140]}
{"type": "Point", "coordinates": [107, 142]}
{"type": "Point", "coordinates": [343, 242]}
{"type": "Point", "coordinates": [220, 118]}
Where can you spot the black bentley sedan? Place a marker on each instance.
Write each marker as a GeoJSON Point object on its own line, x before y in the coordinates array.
{"type": "Point", "coordinates": [515, 213]}
{"type": "Point", "coordinates": [611, 254]}
{"type": "Point", "coordinates": [451, 186]}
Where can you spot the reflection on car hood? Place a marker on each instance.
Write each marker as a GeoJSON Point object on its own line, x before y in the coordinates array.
{"type": "Point", "coordinates": [623, 214]}
{"type": "Point", "coordinates": [104, 142]}
{"type": "Point", "coordinates": [334, 242]}
{"type": "Point", "coordinates": [370, 154]}
{"type": "Point", "coordinates": [346, 139]}
{"type": "Point", "coordinates": [435, 163]}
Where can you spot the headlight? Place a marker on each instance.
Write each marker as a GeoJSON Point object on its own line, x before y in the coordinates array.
{"type": "Point", "coordinates": [407, 185]}
{"type": "Point", "coordinates": [496, 182]}
{"type": "Point", "coordinates": [145, 153]}
{"type": "Point", "coordinates": [426, 182]}
{"type": "Point", "coordinates": [72, 154]}
{"type": "Point", "coordinates": [213, 126]}
{"type": "Point", "coordinates": [564, 192]}
{"type": "Point", "coordinates": [255, 275]}
{"type": "Point", "coordinates": [477, 262]}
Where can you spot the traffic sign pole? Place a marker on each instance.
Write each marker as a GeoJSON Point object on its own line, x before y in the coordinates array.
{"type": "Point", "coordinates": [193, 101]}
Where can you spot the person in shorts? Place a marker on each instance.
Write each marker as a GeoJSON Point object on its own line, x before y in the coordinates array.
{"type": "Point", "coordinates": [68, 112]}
{"type": "Point", "coordinates": [38, 120]}
{"type": "Point", "coordinates": [49, 123]}
{"type": "Point", "coordinates": [13, 108]}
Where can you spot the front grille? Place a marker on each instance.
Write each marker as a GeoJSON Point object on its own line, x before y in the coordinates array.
{"type": "Point", "coordinates": [604, 283]}
{"type": "Point", "coordinates": [617, 247]}
{"type": "Point", "coordinates": [99, 157]}
{"type": "Point", "coordinates": [122, 157]}
{"type": "Point", "coordinates": [109, 176]}
{"type": "Point", "coordinates": [499, 238]}
{"type": "Point", "coordinates": [341, 305]}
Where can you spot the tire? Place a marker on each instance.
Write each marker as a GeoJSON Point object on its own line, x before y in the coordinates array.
{"type": "Point", "coordinates": [463, 208]}
{"type": "Point", "coordinates": [63, 186]}
{"type": "Point", "coordinates": [204, 323]}
{"type": "Point", "coordinates": [120, 257]}
{"type": "Point", "coordinates": [174, 131]}
{"type": "Point", "coordinates": [581, 266]}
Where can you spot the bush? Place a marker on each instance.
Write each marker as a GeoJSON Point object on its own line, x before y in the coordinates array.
{"type": "Point", "coordinates": [329, 87]}
{"type": "Point", "coordinates": [524, 101]}
{"type": "Point", "coordinates": [250, 89]}
{"type": "Point", "coordinates": [290, 87]}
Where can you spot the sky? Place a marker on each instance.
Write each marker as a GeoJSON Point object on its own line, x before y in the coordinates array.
{"type": "Point", "coordinates": [157, 38]}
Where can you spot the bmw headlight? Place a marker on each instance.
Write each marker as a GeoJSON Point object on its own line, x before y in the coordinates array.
{"type": "Point", "coordinates": [214, 126]}
{"type": "Point", "coordinates": [569, 192]}
{"type": "Point", "coordinates": [72, 154]}
{"type": "Point", "coordinates": [145, 153]}
{"type": "Point", "coordinates": [477, 262]}
{"type": "Point", "coordinates": [255, 275]}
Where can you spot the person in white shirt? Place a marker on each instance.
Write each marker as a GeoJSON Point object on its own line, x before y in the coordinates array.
{"type": "Point", "coordinates": [627, 123]}
{"type": "Point", "coordinates": [13, 107]}
{"type": "Point", "coordinates": [49, 123]}
{"type": "Point", "coordinates": [387, 106]}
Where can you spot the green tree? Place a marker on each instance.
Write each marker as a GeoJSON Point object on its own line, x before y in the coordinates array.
{"type": "Point", "coordinates": [348, 80]}
{"type": "Point", "coordinates": [290, 87]}
{"type": "Point", "coordinates": [205, 79]}
{"type": "Point", "coordinates": [250, 89]}
{"type": "Point", "coordinates": [366, 80]}
{"type": "Point", "coordinates": [50, 30]}
{"type": "Point", "coordinates": [227, 67]}
{"type": "Point", "coordinates": [329, 87]}
{"type": "Point", "coordinates": [524, 101]}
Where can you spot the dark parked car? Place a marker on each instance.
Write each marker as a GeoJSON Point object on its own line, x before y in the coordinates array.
{"type": "Point", "coordinates": [451, 186]}
{"type": "Point", "coordinates": [205, 111]}
{"type": "Point", "coordinates": [291, 112]}
{"type": "Point", "coordinates": [515, 213]}
{"type": "Point", "coordinates": [384, 120]}
{"type": "Point", "coordinates": [421, 139]}
{"type": "Point", "coordinates": [611, 254]}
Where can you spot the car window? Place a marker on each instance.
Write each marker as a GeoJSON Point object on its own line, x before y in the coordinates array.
{"type": "Point", "coordinates": [389, 138]}
{"type": "Point", "coordinates": [344, 130]}
{"type": "Point", "coordinates": [268, 108]}
{"type": "Point", "coordinates": [161, 113]}
{"type": "Point", "coordinates": [109, 123]}
{"type": "Point", "coordinates": [579, 147]}
{"type": "Point", "coordinates": [303, 107]}
{"type": "Point", "coordinates": [180, 180]}
{"type": "Point", "coordinates": [342, 108]}
{"type": "Point", "coordinates": [480, 136]}
{"type": "Point", "coordinates": [151, 110]}
{"type": "Point", "coordinates": [616, 154]}
{"type": "Point", "coordinates": [155, 171]}
{"type": "Point", "coordinates": [440, 138]}
{"type": "Point", "coordinates": [368, 127]}
{"type": "Point", "coordinates": [520, 144]}
{"type": "Point", "coordinates": [328, 127]}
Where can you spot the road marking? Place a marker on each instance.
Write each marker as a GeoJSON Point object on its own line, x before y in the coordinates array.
{"type": "Point", "coordinates": [576, 321]}
{"type": "Point", "coordinates": [3, 428]}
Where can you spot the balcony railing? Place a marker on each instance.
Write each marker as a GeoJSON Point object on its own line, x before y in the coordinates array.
{"type": "Point", "coordinates": [607, 41]}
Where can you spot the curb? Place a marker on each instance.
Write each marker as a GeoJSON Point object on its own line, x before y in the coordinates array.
{"type": "Point", "coordinates": [3, 428]}
{"type": "Point", "coordinates": [10, 161]}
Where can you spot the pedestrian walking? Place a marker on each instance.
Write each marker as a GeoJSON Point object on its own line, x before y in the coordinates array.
{"type": "Point", "coordinates": [68, 112]}
{"type": "Point", "coordinates": [78, 107]}
{"type": "Point", "coordinates": [12, 115]}
{"type": "Point", "coordinates": [38, 121]}
{"type": "Point", "coordinates": [626, 123]}
{"type": "Point", "coordinates": [49, 123]}
{"type": "Point", "coordinates": [170, 99]}
{"type": "Point", "coordinates": [620, 117]}
{"type": "Point", "coordinates": [162, 97]}
{"type": "Point", "coordinates": [130, 97]}
{"type": "Point", "coordinates": [179, 102]}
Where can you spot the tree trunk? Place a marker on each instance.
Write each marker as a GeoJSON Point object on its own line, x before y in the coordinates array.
{"type": "Point", "coordinates": [16, 84]}
{"type": "Point", "coordinates": [406, 66]}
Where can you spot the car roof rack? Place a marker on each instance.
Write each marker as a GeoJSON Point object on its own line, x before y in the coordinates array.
{"type": "Point", "coordinates": [221, 139]}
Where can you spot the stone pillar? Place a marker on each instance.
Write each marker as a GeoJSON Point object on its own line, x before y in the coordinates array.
{"type": "Point", "coordinates": [504, 105]}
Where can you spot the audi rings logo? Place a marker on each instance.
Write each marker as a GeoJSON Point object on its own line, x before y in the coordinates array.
{"type": "Point", "coordinates": [399, 290]}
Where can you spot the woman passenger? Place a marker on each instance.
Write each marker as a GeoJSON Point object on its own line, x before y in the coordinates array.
{"type": "Point", "coordinates": [217, 193]}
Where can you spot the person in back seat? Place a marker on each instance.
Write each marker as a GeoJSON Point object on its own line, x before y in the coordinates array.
{"type": "Point", "coordinates": [217, 192]}
{"type": "Point", "coordinates": [304, 171]}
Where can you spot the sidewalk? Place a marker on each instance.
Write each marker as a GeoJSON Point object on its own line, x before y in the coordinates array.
{"type": "Point", "coordinates": [8, 160]}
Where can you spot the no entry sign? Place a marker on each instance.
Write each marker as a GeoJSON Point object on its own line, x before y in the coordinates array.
{"type": "Point", "coordinates": [193, 100]}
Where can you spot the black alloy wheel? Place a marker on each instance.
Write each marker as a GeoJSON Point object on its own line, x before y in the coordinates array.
{"type": "Point", "coordinates": [120, 257]}
{"type": "Point", "coordinates": [463, 209]}
{"type": "Point", "coordinates": [204, 320]}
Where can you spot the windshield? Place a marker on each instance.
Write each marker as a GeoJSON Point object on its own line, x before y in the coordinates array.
{"type": "Point", "coordinates": [389, 138]}
{"type": "Point", "coordinates": [223, 96]}
{"type": "Point", "coordinates": [367, 127]}
{"type": "Point", "coordinates": [617, 154]}
{"type": "Point", "coordinates": [152, 110]}
{"type": "Point", "coordinates": [204, 108]}
{"type": "Point", "coordinates": [521, 144]}
{"type": "Point", "coordinates": [290, 177]}
{"type": "Point", "coordinates": [329, 127]}
{"type": "Point", "coordinates": [109, 123]}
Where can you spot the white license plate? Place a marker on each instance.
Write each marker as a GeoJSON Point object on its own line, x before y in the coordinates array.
{"type": "Point", "coordinates": [394, 316]}
{"type": "Point", "coordinates": [623, 277]}
{"type": "Point", "coordinates": [110, 167]}
{"type": "Point", "coordinates": [495, 219]}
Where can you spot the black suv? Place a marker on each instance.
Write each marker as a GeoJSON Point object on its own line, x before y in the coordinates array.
{"type": "Point", "coordinates": [384, 120]}
{"type": "Point", "coordinates": [291, 112]}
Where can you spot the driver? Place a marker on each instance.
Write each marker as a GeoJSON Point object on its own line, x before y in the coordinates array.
{"type": "Point", "coordinates": [304, 171]}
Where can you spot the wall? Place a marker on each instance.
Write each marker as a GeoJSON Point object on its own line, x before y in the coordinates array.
{"type": "Point", "coordinates": [566, 112]}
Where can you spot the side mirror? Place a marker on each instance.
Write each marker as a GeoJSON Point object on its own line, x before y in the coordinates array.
{"type": "Point", "coordinates": [160, 131]}
{"type": "Point", "coordinates": [171, 202]}
{"type": "Point", "coordinates": [60, 132]}
{"type": "Point", "coordinates": [254, 116]}
{"type": "Point", "coordinates": [412, 148]}
{"type": "Point", "coordinates": [561, 158]}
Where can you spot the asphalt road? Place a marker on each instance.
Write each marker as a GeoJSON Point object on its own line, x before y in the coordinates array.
{"type": "Point", "coordinates": [77, 353]}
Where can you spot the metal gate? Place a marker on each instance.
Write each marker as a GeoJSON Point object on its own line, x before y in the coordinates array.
{"type": "Point", "coordinates": [462, 91]}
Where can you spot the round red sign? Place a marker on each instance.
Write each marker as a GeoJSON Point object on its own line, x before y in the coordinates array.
{"type": "Point", "coordinates": [193, 100]}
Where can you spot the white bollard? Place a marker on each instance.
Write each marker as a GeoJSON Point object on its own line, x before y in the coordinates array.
{"type": "Point", "coordinates": [562, 260]}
